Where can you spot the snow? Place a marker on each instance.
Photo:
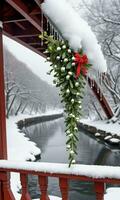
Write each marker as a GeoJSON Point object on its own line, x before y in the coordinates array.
{"type": "Point", "coordinates": [113, 128]}
{"type": "Point", "coordinates": [112, 193]}
{"type": "Point", "coordinates": [76, 30]}
{"type": "Point", "coordinates": [108, 137]}
{"type": "Point", "coordinates": [114, 140]}
{"type": "Point", "coordinates": [92, 171]}
{"type": "Point", "coordinates": [97, 134]}
{"type": "Point", "coordinates": [17, 142]}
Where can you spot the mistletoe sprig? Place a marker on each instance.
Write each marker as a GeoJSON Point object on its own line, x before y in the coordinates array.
{"type": "Point", "coordinates": [69, 69]}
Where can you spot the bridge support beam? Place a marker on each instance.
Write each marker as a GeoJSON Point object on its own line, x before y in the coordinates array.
{"type": "Point", "coordinates": [5, 191]}
{"type": "Point", "coordinates": [101, 98]}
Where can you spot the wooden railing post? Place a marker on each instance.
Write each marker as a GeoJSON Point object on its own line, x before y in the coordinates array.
{"type": "Point", "coordinates": [25, 193]}
{"type": "Point", "coordinates": [7, 193]}
{"type": "Point", "coordinates": [43, 182]}
{"type": "Point", "coordinates": [63, 183]}
{"type": "Point", "coordinates": [99, 189]}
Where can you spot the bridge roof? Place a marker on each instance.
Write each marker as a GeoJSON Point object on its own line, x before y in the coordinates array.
{"type": "Point", "coordinates": [23, 21]}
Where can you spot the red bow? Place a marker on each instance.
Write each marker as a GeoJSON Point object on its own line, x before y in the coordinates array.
{"type": "Point", "coordinates": [80, 61]}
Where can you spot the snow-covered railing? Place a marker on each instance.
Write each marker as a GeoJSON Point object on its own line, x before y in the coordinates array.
{"type": "Point", "coordinates": [90, 173]}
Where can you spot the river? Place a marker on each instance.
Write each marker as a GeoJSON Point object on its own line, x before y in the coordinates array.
{"type": "Point", "coordinates": [50, 138]}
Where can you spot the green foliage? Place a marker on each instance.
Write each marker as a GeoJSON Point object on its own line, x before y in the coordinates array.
{"type": "Point", "coordinates": [71, 89]}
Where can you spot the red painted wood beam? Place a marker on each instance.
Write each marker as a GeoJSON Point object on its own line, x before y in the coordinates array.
{"type": "Point", "coordinates": [100, 97]}
{"type": "Point", "coordinates": [5, 191]}
{"type": "Point", "coordinates": [3, 140]}
{"type": "Point", "coordinates": [20, 41]}
{"type": "Point", "coordinates": [23, 10]}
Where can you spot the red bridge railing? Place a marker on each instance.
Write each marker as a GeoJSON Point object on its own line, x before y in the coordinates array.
{"type": "Point", "coordinates": [99, 175]}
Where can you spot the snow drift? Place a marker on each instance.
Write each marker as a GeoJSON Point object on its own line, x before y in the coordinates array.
{"type": "Point", "coordinates": [76, 30]}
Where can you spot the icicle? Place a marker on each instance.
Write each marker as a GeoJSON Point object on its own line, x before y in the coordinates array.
{"type": "Point", "coordinates": [47, 25]}
{"type": "Point", "coordinates": [91, 84]}
{"type": "Point", "coordinates": [57, 36]}
{"type": "Point", "coordinates": [50, 29]}
{"type": "Point", "coordinates": [42, 16]}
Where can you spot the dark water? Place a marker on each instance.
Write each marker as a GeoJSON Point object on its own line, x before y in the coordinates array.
{"type": "Point", "coordinates": [50, 138]}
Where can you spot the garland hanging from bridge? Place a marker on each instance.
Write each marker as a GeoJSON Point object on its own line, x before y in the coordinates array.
{"type": "Point", "coordinates": [69, 69]}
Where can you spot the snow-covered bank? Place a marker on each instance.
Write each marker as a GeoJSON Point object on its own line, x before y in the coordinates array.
{"type": "Point", "coordinates": [16, 141]}
{"type": "Point", "coordinates": [113, 128]}
{"type": "Point", "coordinates": [20, 148]}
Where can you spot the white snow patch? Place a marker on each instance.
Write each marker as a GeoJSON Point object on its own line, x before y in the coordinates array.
{"type": "Point", "coordinates": [114, 140]}
{"type": "Point", "coordinates": [75, 30]}
{"type": "Point", "coordinates": [94, 171]}
{"type": "Point", "coordinates": [113, 128]}
{"type": "Point", "coordinates": [108, 137]}
{"type": "Point", "coordinates": [112, 193]}
{"type": "Point", "coordinates": [97, 134]}
{"type": "Point", "coordinates": [20, 148]}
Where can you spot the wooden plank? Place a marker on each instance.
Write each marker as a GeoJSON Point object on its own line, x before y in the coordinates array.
{"type": "Point", "coordinates": [23, 10]}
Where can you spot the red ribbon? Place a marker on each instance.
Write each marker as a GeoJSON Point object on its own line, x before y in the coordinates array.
{"type": "Point", "coordinates": [80, 61]}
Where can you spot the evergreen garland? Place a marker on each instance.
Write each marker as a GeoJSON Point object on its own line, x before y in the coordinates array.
{"type": "Point", "coordinates": [64, 66]}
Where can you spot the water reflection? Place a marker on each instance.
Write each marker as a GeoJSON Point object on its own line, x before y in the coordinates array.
{"type": "Point", "coordinates": [50, 138]}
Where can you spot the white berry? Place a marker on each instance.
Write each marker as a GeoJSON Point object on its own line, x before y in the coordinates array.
{"type": "Point", "coordinates": [62, 69]}
{"type": "Point", "coordinates": [71, 135]}
{"type": "Point", "coordinates": [73, 58]}
{"type": "Point", "coordinates": [65, 60]}
{"type": "Point", "coordinates": [58, 48]}
{"type": "Point", "coordinates": [76, 84]}
{"type": "Point", "coordinates": [72, 100]}
{"type": "Point", "coordinates": [73, 161]}
{"type": "Point", "coordinates": [68, 132]}
{"type": "Point", "coordinates": [55, 66]}
{"type": "Point", "coordinates": [68, 77]}
{"type": "Point", "coordinates": [46, 51]}
{"type": "Point", "coordinates": [73, 64]}
{"type": "Point", "coordinates": [67, 91]}
{"type": "Point", "coordinates": [69, 50]}
{"type": "Point", "coordinates": [68, 146]}
{"type": "Point", "coordinates": [71, 152]}
{"type": "Point", "coordinates": [48, 58]}
{"type": "Point", "coordinates": [77, 93]}
{"type": "Point", "coordinates": [70, 73]}
{"type": "Point", "coordinates": [58, 57]}
{"type": "Point", "coordinates": [76, 129]}
{"type": "Point", "coordinates": [64, 47]}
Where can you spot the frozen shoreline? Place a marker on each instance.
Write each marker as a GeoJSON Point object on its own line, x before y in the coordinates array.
{"type": "Point", "coordinates": [17, 141]}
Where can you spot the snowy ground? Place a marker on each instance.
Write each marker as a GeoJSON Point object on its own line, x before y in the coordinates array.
{"type": "Point", "coordinates": [16, 142]}
{"type": "Point", "coordinates": [114, 129]}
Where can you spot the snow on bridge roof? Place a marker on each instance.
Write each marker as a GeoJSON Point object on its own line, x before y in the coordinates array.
{"type": "Point", "coordinates": [76, 31]}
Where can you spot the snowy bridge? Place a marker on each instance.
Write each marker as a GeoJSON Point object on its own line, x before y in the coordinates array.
{"type": "Point", "coordinates": [23, 21]}
{"type": "Point", "coordinates": [99, 175]}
